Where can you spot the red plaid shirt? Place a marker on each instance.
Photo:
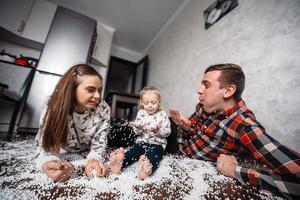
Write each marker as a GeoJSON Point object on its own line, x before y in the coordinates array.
{"type": "Point", "coordinates": [236, 131]}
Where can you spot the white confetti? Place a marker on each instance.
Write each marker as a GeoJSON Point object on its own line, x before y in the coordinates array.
{"type": "Point", "coordinates": [176, 178]}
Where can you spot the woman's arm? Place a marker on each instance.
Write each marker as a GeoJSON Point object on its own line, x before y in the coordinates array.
{"type": "Point", "coordinates": [96, 157]}
{"type": "Point", "coordinates": [49, 162]}
{"type": "Point", "coordinates": [99, 140]}
{"type": "Point", "coordinates": [41, 156]}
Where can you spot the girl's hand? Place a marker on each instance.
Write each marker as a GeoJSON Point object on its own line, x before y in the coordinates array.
{"type": "Point", "coordinates": [57, 170]}
{"type": "Point", "coordinates": [95, 166]}
{"type": "Point", "coordinates": [138, 126]}
{"type": "Point", "coordinates": [156, 128]}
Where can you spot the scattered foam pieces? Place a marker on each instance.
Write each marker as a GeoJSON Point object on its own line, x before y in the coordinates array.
{"type": "Point", "coordinates": [176, 178]}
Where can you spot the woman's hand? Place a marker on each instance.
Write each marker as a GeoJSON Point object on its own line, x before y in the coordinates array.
{"type": "Point", "coordinates": [95, 166]}
{"type": "Point", "coordinates": [57, 170]}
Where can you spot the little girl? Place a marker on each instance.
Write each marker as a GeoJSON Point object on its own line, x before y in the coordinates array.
{"type": "Point", "coordinates": [151, 126]}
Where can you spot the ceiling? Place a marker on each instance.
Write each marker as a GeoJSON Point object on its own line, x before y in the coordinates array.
{"type": "Point", "coordinates": [136, 21]}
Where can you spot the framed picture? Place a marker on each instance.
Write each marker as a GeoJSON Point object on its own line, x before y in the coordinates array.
{"type": "Point", "coordinates": [218, 10]}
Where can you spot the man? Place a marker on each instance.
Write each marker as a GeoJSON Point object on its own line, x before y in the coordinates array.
{"type": "Point", "coordinates": [223, 128]}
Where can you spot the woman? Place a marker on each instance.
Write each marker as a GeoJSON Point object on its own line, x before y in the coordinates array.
{"type": "Point", "coordinates": [74, 119]}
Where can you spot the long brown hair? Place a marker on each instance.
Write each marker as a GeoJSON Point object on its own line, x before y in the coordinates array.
{"type": "Point", "coordinates": [60, 105]}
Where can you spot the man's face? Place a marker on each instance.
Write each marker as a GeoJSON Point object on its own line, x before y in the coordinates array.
{"type": "Point", "coordinates": [211, 95]}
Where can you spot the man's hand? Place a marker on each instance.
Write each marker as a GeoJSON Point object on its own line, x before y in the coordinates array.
{"type": "Point", "coordinates": [175, 115]}
{"type": "Point", "coordinates": [96, 166]}
{"type": "Point", "coordinates": [226, 165]}
{"type": "Point", "coordinates": [178, 118]}
{"type": "Point", "coordinates": [57, 170]}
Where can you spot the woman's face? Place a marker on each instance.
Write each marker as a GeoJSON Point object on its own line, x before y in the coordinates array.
{"type": "Point", "coordinates": [88, 92]}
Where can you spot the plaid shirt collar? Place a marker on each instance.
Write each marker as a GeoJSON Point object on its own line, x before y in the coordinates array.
{"type": "Point", "coordinates": [230, 112]}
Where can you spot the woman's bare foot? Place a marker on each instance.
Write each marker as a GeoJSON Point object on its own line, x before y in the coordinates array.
{"type": "Point", "coordinates": [116, 158]}
{"type": "Point", "coordinates": [145, 167]}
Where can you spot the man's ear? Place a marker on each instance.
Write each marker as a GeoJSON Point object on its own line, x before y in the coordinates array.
{"type": "Point", "coordinates": [230, 90]}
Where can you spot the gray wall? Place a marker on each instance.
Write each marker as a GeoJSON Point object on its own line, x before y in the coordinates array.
{"type": "Point", "coordinates": [263, 36]}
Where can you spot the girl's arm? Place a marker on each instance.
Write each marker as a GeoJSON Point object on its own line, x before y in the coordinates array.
{"type": "Point", "coordinates": [138, 125]}
{"type": "Point", "coordinates": [164, 125]}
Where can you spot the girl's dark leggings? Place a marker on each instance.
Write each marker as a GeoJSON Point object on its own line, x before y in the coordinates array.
{"type": "Point", "coordinates": [153, 152]}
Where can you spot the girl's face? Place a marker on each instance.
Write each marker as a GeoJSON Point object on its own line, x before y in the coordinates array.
{"type": "Point", "coordinates": [88, 92]}
{"type": "Point", "coordinates": [150, 102]}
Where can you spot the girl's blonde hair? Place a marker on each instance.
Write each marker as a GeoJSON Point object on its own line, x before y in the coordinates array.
{"type": "Point", "coordinates": [150, 89]}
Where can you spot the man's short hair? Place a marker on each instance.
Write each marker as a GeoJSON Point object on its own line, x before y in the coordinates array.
{"type": "Point", "coordinates": [230, 74]}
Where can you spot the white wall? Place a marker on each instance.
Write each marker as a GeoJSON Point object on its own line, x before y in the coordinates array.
{"type": "Point", "coordinates": [263, 36]}
{"type": "Point", "coordinates": [18, 50]}
{"type": "Point", "coordinates": [125, 54]}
